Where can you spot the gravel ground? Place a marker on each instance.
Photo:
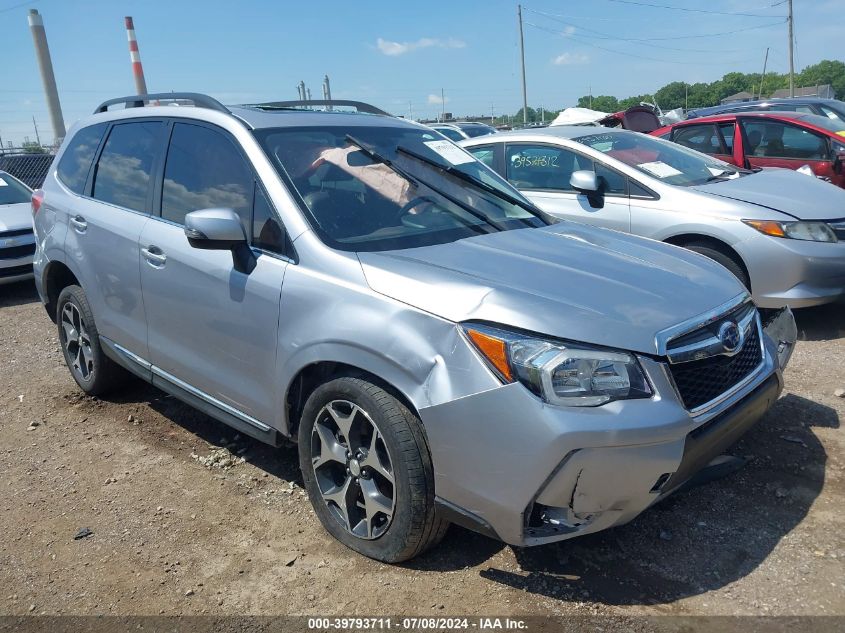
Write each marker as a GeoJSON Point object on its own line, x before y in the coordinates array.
{"type": "Point", "coordinates": [176, 514]}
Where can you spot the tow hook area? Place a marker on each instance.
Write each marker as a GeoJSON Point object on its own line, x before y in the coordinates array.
{"type": "Point", "coordinates": [780, 327]}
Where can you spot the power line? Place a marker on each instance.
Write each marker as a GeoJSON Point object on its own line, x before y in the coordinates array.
{"type": "Point", "coordinates": [688, 10]}
{"type": "Point", "coordinates": [18, 6]}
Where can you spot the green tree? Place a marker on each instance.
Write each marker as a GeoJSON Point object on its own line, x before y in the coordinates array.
{"type": "Point", "coordinates": [602, 103]}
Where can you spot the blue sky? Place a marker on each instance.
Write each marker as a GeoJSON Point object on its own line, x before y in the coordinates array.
{"type": "Point", "coordinates": [393, 53]}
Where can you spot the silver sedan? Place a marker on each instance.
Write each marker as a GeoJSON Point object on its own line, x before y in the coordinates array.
{"type": "Point", "coordinates": [780, 232]}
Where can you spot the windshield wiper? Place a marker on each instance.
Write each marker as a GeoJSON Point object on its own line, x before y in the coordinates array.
{"type": "Point", "coordinates": [461, 175]}
{"type": "Point", "coordinates": [378, 158]}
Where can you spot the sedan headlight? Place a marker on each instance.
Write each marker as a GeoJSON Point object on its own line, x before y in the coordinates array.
{"type": "Point", "coordinates": [561, 373]}
{"type": "Point", "coordinates": [809, 231]}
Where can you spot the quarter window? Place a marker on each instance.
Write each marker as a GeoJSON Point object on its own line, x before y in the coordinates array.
{"type": "Point", "coordinates": [77, 158]}
{"type": "Point", "coordinates": [204, 170]}
{"type": "Point", "coordinates": [124, 169]}
{"type": "Point", "coordinates": [773, 139]}
{"type": "Point", "coordinates": [267, 233]}
{"type": "Point", "coordinates": [484, 153]}
{"type": "Point", "coordinates": [702, 138]}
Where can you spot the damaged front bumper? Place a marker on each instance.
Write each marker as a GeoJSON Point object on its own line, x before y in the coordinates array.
{"type": "Point", "coordinates": [510, 466]}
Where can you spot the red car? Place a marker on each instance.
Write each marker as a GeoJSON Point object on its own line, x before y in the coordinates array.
{"type": "Point", "coordinates": [767, 139]}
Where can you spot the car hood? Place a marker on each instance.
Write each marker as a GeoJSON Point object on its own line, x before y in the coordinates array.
{"type": "Point", "coordinates": [569, 281]}
{"type": "Point", "coordinates": [803, 197]}
{"type": "Point", "coordinates": [14, 217]}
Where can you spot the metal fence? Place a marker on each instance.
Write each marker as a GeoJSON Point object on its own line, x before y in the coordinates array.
{"type": "Point", "coordinates": [28, 167]}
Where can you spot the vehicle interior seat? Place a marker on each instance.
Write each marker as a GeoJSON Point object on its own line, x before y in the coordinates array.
{"type": "Point", "coordinates": [754, 139]}
{"type": "Point", "coordinates": [774, 147]}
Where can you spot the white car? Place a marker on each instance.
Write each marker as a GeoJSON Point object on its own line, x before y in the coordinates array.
{"type": "Point", "coordinates": [17, 241]}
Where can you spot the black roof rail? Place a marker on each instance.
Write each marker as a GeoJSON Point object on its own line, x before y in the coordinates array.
{"type": "Point", "coordinates": [140, 101]}
{"type": "Point", "coordinates": [358, 105]}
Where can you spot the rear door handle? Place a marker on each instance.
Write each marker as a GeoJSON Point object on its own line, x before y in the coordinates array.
{"type": "Point", "coordinates": [155, 256]}
{"type": "Point", "coordinates": [79, 223]}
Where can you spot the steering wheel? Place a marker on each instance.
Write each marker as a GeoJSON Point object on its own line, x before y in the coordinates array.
{"type": "Point", "coordinates": [412, 204]}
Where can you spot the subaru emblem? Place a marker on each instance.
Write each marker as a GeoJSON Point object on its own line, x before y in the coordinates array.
{"type": "Point", "coordinates": [730, 336]}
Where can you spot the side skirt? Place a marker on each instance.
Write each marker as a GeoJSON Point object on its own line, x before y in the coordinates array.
{"type": "Point", "coordinates": [190, 395]}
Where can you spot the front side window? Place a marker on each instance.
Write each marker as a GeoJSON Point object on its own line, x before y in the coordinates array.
{"type": "Point", "coordinates": [701, 138]}
{"type": "Point", "coordinates": [77, 158]}
{"type": "Point", "coordinates": [543, 166]}
{"type": "Point", "coordinates": [484, 153]}
{"type": "Point", "coordinates": [123, 175]}
{"type": "Point", "coordinates": [668, 162]}
{"type": "Point", "coordinates": [775, 139]}
{"type": "Point", "coordinates": [391, 187]}
{"type": "Point", "coordinates": [204, 170]}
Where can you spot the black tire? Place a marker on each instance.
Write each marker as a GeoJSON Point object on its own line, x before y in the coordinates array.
{"type": "Point", "coordinates": [414, 526]}
{"type": "Point", "coordinates": [728, 261]}
{"type": "Point", "coordinates": [94, 372]}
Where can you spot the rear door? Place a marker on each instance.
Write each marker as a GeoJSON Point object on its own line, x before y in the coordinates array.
{"type": "Point", "coordinates": [210, 326]}
{"type": "Point", "coordinates": [777, 143]}
{"type": "Point", "coordinates": [542, 172]}
{"type": "Point", "coordinates": [104, 227]}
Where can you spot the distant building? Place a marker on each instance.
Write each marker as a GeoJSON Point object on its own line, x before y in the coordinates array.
{"type": "Point", "coordinates": [823, 91]}
{"type": "Point", "coordinates": [739, 97]}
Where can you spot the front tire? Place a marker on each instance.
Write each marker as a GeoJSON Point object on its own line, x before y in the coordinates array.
{"type": "Point", "coordinates": [93, 371]}
{"type": "Point", "coordinates": [367, 470]}
{"type": "Point", "coordinates": [704, 248]}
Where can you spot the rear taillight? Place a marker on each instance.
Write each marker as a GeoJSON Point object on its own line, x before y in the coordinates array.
{"type": "Point", "coordinates": [37, 199]}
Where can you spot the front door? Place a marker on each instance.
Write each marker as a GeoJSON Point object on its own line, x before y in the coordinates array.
{"type": "Point", "coordinates": [211, 326]}
{"type": "Point", "coordinates": [542, 172]}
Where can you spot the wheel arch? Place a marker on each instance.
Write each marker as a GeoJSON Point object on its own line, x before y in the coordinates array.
{"type": "Point", "coordinates": [685, 239]}
{"type": "Point", "coordinates": [56, 277]}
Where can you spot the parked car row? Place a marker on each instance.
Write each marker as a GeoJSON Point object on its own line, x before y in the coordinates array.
{"type": "Point", "coordinates": [441, 347]}
{"type": "Point", "coordinates": [17, 242]}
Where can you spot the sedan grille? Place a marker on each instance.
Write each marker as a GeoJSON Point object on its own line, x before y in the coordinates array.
{"type": "Point", "coordinates": [700, 381]}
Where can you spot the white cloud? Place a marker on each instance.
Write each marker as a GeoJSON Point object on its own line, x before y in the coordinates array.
{"type": "Point", "coordinates": [393, 49]}
{"type": "Point", "coordinates": [569, 30]}
{"type": "Point", "coordinates": [436, 100]}
{"type": "Point", "coordinates": [570, 59]}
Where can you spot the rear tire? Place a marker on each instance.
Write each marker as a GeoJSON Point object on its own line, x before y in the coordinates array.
{"type": "Point", "coordinates": [729, 262]}
{"type": "Point", "coordinates": [367, 470]}
{"type": "Point", "coordinates": [94, 372]}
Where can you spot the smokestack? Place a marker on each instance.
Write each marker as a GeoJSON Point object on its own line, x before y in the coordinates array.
{"type": "Point", "coordinates": [301, 89]}
{"type": "Point", "coordinates": [327, 90]}
{"type": "Point", "coordinates": [45, 65]}
{"type": "Point", "coordinates": [135, 56]}
{"type": "Point", "coordinates": [308, 94]}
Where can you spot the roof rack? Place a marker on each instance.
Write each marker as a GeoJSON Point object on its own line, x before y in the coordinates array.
{"type": "Point", "coordinates": [140, 101]}
{"type": "Point", "coordinates": [282, 105]}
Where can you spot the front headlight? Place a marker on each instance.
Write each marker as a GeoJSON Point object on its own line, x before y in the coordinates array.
{"type": "Point", "coordinates": [561, 373]}
{"type": "Point", "coordinates": [809, 231]}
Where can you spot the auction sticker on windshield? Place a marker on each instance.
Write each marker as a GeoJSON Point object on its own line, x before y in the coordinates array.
{"type": "Point", "coordinates": [659, 169]}
{"type": "Point", "coordinates": [451, 152]}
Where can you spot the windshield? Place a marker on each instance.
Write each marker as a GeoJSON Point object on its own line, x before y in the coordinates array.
{"type": "Point", "coordinates": [367, 189]}
{"type": "Point", "coordinates": [668, 162]}
{"type": "Point", "coordinates": [831, 125]}
{"type": "Point", "coordinates": [11, 191]}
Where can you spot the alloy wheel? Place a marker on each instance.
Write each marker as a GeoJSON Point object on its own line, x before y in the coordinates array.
{"type": "Point", "coordinates": [353, 469]}
{"type": "Point", "coordinates": [76, 342]}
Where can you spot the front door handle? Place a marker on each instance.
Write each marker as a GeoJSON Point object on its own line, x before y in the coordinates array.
{"type": "Point", "coordinates": [155, 256]}
{"type": "Point", "coordinates": [79, 223]}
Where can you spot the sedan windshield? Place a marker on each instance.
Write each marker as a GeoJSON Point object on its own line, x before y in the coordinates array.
{"type": "Point", "coordinates": [11, 191]}
{"type": "Point", "coordinates": [668, 162]}
{"type": "Point", "coordinates": [393, 187]}
{"type": "Point", "coordinates": [477, 130]}
{"type": "Point", "coordinates": [831, 125]}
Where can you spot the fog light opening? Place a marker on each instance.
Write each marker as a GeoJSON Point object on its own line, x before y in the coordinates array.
{"type": "Point", "coordinates": [661, 481]}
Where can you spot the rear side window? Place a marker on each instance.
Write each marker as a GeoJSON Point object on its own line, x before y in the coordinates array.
{"type": "Point", "coordinates": [203, 171]}
{"type": "Point", "coordinates": [76, 161]}
{"type": "Point", "coordinates": [124, 170]}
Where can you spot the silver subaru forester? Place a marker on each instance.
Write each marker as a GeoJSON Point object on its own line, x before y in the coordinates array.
{"type": "Point", "coordinates": [440, 349]}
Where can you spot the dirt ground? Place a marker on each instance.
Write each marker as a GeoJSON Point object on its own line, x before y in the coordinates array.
{"type": "Point", "coordinates": [175, 532]}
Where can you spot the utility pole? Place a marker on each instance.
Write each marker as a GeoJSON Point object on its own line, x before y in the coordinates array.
{"type": "Point", "coordinates": [37, 137]}
{"type": "Point", "coordinates": [522, 57]}
{"type": "Point", "coordinates": [492, 118]}
{"type": "Point", "coordinates": [791, 20]}
{"type": "Point", "coordinates": [542, 114]}
{"type": "Point", "coordinates": [410, 111]}
{"type": "Point", "coordinates": [763, 76]}
{"type": "Point", "coordinates": [590, 88]}
{"type": "Point", "coordinates": [686, 96]}
{"type": "Point", "coordinates": [442, 106]}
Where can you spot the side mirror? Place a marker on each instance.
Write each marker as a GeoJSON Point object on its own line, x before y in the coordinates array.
{"type": "Point", "coordinates": [220, 229]}
{"type": "Point", "coordinates": [584, 181]}
{"type": "Point", "coordinates": [587, 182]}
